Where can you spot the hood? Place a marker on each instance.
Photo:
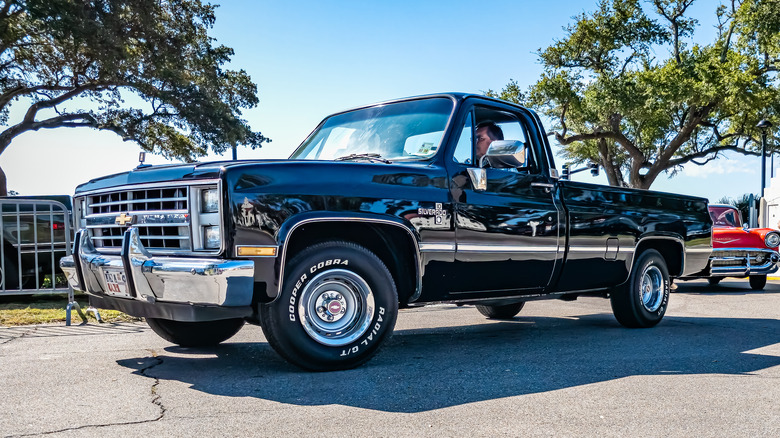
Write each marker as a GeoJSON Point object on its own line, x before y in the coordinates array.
{"type": "Point", "coordinates": [167, 172]}
{"type": "Point", "coordinates": [734, 237]}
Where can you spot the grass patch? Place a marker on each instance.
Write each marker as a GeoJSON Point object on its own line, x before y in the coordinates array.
{"type": "Point", "coordinates": [42, 309]}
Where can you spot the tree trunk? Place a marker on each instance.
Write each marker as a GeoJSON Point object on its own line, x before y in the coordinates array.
{"type": "Point", "coordinates": [3, 183]}
{"type": "Point", "coordinates": [614, 177]}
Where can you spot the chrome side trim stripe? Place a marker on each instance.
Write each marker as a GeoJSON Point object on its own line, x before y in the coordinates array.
{"type": "Point", "coordinates": [599, 249]}
{"type": "Point", "coordinates": [693, 250]}
{"type": "Point", "coordinates": [506, 248]}
{"type": "Point", "coordinates": [587, 249]}
{"type": "Point", "coordinates": [431, 247]}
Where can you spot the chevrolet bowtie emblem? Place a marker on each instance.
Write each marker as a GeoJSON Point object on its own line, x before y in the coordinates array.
{"type": "Point", "coordinates": [124, 219]}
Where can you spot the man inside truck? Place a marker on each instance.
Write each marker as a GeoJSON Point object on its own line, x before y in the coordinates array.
{"type": "Point", "coordinates": [486, 133]}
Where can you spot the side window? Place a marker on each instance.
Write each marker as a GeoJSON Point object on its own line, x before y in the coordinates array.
{"type": "Point", "coordinates": [498, 124]}
{"type": "Point", "coordinates": [463, 150]}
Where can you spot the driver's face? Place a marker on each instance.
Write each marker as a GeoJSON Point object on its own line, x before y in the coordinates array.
{"type": "Point", "coordinates": [483, 141]}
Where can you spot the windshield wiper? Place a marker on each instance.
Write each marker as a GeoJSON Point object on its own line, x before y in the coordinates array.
{"type": "Point", "coordinates": [372, 158]}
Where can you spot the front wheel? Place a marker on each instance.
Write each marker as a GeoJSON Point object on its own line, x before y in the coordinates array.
{"type": "Point", "coordinates": [757, 282]}
{"type": "Point", "coordinates": [713, 281]}
{"type": "Point", "coordinates": [642, 301]}
{"type": "Point", "coordinates": [338, 304]}
{"type": "Point", "coordinates": [195, 334]}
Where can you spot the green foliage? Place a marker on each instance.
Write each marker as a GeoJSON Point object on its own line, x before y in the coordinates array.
{"type": "Point", "coordinates": [145, 69]}
{"type": "Point", "coordinates": [618, 102]}
{"type": "Point", "coordinates": [16, 310]}
{"type": "Point", "coordinates": [742, 204]}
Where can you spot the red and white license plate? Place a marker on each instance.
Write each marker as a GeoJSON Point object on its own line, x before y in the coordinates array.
{"type": "Point", "coordinates": [116, 283]}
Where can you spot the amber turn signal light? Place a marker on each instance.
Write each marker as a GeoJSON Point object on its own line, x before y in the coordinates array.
{"type": "Point", "coordinates": [256, 251]}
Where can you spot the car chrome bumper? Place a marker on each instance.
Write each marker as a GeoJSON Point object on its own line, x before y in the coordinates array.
{"type": "Point", "coordinates": [158, 280]}
{"type": "Point", "coordinates": [725, 263]}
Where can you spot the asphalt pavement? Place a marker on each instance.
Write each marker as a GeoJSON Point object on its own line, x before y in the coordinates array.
{"type": "Point", "coordinates": [711, 368]}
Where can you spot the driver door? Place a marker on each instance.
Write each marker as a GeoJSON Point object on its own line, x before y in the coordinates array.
{"type": "Point", "coordinates": [507, 232]}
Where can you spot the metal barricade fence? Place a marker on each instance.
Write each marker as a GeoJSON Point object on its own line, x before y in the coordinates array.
{"type": "Point", "coordinates": [34, 235]}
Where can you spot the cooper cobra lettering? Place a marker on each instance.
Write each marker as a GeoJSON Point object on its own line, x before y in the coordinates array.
{"type": "Point", "coordinates": [299, 283]}
{"type": "Point", "coordinates": [294, 296]}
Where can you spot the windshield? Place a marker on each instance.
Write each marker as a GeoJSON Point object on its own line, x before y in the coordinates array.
{"type": "Point", "coordinates": [725, 217]}
{"type": "Point", "coordinates": [410, 130]}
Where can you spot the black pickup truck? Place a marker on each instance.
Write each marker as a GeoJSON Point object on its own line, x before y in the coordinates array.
{"type": "Point", "coordinates": [380, 208]}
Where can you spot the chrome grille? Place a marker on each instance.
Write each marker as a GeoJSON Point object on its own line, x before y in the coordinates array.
{"type": "Point", "coordinates": [160, 214]}
{"type": "Point", "coordinates": [169, 198]}
{"type": "Point", "coordinates": [739, 258]}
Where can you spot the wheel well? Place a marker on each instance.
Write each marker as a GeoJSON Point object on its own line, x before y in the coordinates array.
{"type": "Point", "coordinates": [671, 251]}
{"type": "Point", "coordinates": [393, 245]}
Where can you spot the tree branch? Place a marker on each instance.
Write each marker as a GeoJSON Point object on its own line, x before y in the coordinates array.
{"type": "Point", "coordinates": [53, 122]}
{"type": "Point", "coordinates": [727, 43]}
{"type": "Point", "coordinates": [715, 150]}
{"type": "Point", "coordinates": [34, 108]}
{"type": "Point", "coordinates": [21, 90]}
{"type": "Point", "coordinates": [563, 119]}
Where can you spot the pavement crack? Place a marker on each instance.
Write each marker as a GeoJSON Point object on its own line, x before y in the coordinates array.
{"type": "Point", "coordinates": [156, 397]}
{"type": "Point", "coordinates": [156, 400]}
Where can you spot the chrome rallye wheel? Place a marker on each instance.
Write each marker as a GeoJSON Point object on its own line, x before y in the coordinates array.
{"type": "Point", "coordinates": [642, 301]}
{"type": "Point", "coordinates": [338, 304]}
{"type": "Point", "coordinates": [336, 307]}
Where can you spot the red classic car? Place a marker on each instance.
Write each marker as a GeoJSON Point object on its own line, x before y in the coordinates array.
{"type": "Point", "coordinates": [739, 251]}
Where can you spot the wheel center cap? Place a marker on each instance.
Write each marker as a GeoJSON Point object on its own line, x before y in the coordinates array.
{"type": "Point", "coordinates": [331, 306]}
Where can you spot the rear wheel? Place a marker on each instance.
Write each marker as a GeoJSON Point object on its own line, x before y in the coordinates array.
{"type": "Point", "coordinates": [642, 301]}
{"type": "Point", "coordinates": [195, 334]}
{"type": "Point", "coordinates": [338, 305]}
{"type": "Point", "coordinates": [713, 281]}
{"type": "Point", "coordinates": [757, 282]}
{"type": "Point", "coordinates": [507, 311]}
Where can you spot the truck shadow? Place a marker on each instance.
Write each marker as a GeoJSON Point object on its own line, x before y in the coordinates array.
{"type": "Point", "coordinates": [729, 286]}
{"type": "Point", "coordinates": [425, 369]}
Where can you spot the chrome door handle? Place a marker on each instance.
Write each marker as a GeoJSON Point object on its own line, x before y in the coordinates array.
{"type": "Point", "coordinates": [546, 186]}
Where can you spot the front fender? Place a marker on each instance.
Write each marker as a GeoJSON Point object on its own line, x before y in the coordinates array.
{"type": "Point", "coordinates": [294, 224]}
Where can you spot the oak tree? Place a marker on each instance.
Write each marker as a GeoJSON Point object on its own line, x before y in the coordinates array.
{"type": "Point", "coordinates": [145, 69]}
{"type": "Point", "coordinates": [628, 88]}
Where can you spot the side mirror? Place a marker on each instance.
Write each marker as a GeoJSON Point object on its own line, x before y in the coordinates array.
{"type": "Point", "coordinates": [504, 154]}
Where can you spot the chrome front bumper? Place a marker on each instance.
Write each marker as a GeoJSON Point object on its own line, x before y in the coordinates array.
{"type": "Point", "coordinates": [738, 262]}
{"type": "Point", "coordinates": [158, 280]}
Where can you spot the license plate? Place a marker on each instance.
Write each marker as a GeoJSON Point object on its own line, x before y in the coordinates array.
{"type": "Point", "coordinates": [116, 283]}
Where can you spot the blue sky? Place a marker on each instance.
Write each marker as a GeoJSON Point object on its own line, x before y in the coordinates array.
{"type": "Point", "coordinates": [313, 58]}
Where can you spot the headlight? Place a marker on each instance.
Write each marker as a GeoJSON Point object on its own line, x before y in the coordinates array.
{"type": "Point", "coordinates": [772, 240]}
{"type": "Point", "coordinates": [211, 237]}
{"type": "Point", "coordinates": [209, 201]}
